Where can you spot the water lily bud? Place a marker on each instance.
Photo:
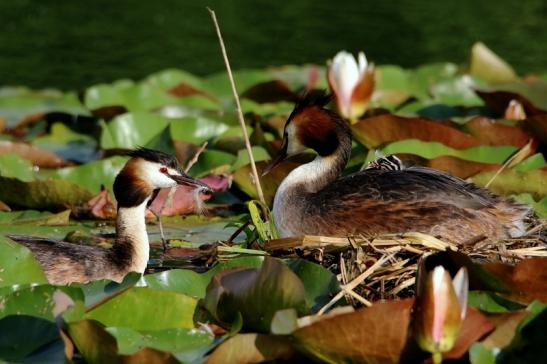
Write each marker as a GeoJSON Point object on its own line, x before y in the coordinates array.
{"type": "Point", "coordinates": [352, 83]}
{"type": "Point", "coordinates": [441, 304]}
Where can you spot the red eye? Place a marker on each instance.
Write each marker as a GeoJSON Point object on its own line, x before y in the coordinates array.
{"type": "Point", "coordinates": [163, 169]}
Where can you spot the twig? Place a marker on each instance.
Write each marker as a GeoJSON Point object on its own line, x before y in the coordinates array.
{"type": "Point", "coordinates": [238, 106]}
{"type": "Point", "coordinates": [168, 202]}
{"type": "Point", "coordinates": [354, 283]}
{"type": "Point", "coordinates": [195, 158]}
{"type": "Point", "coordinates": [515, 158]}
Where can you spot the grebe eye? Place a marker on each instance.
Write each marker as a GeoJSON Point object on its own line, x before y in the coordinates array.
{"type": "Point", "coordinates": [163, 169]}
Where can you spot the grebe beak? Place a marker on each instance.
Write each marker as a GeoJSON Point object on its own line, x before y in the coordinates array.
{"type": "Point", "coordinates": [277, 160]}
{"type": "Point", "coordinates": [186, 180]}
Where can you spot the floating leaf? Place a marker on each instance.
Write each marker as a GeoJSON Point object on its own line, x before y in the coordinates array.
{"type": "Point", "coordinates": [488, 66]}
{"type": "Point", "coordinates": [430, 150]}
{"type": "Point", "coordinates": [38, 301]}
{"type": "Point", "coordinates": [42, 194]}
{"type": "Point", "coordinates": [134, 307]}
{"type": "Point", "coordinates": [39, 157]}
{"type": "Point", "coordinates": [195, 284]}
{"type": "Point", "coordinates": [18, 265]}
{"type": "Point", "coordinates": [13, 166]}
{"type": "Point", "coordinates": [180, 342]}
{"type": "Point", "coordinates": [132, 130]}
{"type": "Point", "coordinates": [510, 182]}
{"type": "Point", "coordinates": [320, 283]}
{"type": "Point", "coordinates": [92, 175]}
{"type": "Point", "coordinates": [256, 293]}
{"type": "Point", "coordinates": [196, 129]}
{"type": "Point", "coordinates": [251, 348]}
{"type": "Point", "coordinates": [377, 130]}
{"type": "Point", "coordinates": [371, 335]}
{"type": "Point", "coordinates": [491, 132]}
{"type": "Point", "coordinates": [30, 340]}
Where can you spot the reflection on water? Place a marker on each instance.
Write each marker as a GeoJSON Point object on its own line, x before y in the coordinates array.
{"type": "Point", "coordinates": [73, 44]}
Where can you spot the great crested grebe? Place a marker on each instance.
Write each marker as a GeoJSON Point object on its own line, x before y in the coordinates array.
{"type": "Point", "coordinates": [140, 179]}
{"type": "Point", "coordinates": [384, 198]}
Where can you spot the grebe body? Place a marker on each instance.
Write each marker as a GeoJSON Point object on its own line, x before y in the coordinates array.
{"type": "Point", "coordinates": [314, 199]}
{"type": "Point", "coordinates": [142, 176]}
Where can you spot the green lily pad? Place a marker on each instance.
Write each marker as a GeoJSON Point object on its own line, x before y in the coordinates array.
{"type": "Point", "coordinates": [242, 159]}
{"type": "Point", "coordinates": [98, 291]}
{"type": "Point", "coordinates": [18, 265]}
{"type": "Point", "coordinates": [18, 102]}
{"type": "Point", "coordinates": [255, 293]}
{"type": "Point", "coordinates": [424, 77]}
{"type": "Point", "coordinates": [320, 283]}
{"type": "Point", "coordinates": [44, 301]}
{"type": "Point", "coordinates": [510, 182]}
{"type": "Point", "coordinates": [42, 194]}
{"type": "Point", "coordinates": [13, 166]}
{"type": "Point", "coordinates": [181, 342]}
{"type": "Point", "coordinates": [30, 340]}
{"type": "Point", "coordinates": [135, 307]}
{"type": "Point", "coordinates": [195, 284]}
{"type": "Point", "coordinates": [212, 161]}
{"type": "Point", "coordinates": [429, 150]}
{"type": "Point", "coordinates": [93, 175]}
{"type": "Point", "coordinates": [132, 130]}
{"type": "Point", "coordinates": [196, 129]}
{"type": "Point", "coordinates": [491, 302]}
{"type": "Point", "coordinates": [458, 91]}
{"type": "Point", "coordinates": [169, 78]}
{"type": "Point", "coordinates": [535, 161]}
{"type": "Point", "coordinates": [68, 144]}
{"type": "Point", "coordinates": [488, 66]}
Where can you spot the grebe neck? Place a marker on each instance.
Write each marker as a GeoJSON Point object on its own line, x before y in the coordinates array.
{"type": "Point", "coordinates": [131, 248]}
{"type": "Point", "coordinates": [317, 174]}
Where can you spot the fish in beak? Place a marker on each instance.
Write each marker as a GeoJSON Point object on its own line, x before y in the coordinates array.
{"type": "Point", "coordinates": [186, 180]}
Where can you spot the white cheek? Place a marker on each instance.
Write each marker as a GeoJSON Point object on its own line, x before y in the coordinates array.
{"type": "Point", "coordinates": [162, 181]}
{"type": "Point", "coordinates": [151, 173]}
{"type": "Point", "coordinates": [293, 146]}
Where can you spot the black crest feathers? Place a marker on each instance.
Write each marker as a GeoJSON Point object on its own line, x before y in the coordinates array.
{"type": "Point", "coordinates": [155, 156]}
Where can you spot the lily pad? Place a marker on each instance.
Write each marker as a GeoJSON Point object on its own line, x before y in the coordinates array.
{"type": "Point", "coordinates": [430, 150]}
{"type": "Point", "coordinates": [181, 342]}
{"type": "Point", "coordinates": [18, 265]}
{"type": "Point", "coordinates": [255, 293]}
{"type": "Point", "coordinates": [134, 307]}
{"type": "Point", "coordinates": [30, 340]}
{"type": "Point", "coordinates": [510, 182]}
{"type": "Point", "coordinates": [13, 166]}
{"type": "Point", "coordinates": [132, 130]}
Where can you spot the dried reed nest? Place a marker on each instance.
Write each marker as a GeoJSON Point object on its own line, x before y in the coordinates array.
{"type": "Point", "coordinates": [384, 267]}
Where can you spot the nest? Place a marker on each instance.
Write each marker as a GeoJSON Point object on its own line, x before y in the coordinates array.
{"type": "Point", "coordinates": [384, 267]}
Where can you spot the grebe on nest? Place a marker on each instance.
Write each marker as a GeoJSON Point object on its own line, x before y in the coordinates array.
{"type": "Point", "coordinates": [314, 199]}
{"type": "Point", "coordinates": [140, 179]}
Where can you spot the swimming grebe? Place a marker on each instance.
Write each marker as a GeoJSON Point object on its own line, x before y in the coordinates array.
{"type": "Point", "coordinates": [384, 198]}
{"type": "Point", "coordinates": [142, 176]}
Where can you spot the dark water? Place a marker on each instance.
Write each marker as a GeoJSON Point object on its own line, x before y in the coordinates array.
{"type": "Point", "coordinates": [73, 44]}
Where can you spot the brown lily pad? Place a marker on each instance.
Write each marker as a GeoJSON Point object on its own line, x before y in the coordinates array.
{"type": "Point", "coordinates": [527, 279]}
{"type": "Point", "coordinates": [490, 132]}
{"type": "Point", "coordinates": [251, 348]}
{"type": "Point", "coordinates": [370, 335]}
{"type": "Point", "coordinates": [377, 130]}
{"type": "Point", "coordinates": [39, 157]}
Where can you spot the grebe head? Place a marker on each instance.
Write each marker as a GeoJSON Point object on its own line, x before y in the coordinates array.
{"type": "Point", "coordinates": [311, 126]}
{"type": "Point", "coordinates": [149, 170]}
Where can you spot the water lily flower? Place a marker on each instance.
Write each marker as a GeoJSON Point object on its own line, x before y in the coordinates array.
{"type": "Point", "coordinates": [351, 82]}
{"type": "Point", "coordinates": [441, 305]}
